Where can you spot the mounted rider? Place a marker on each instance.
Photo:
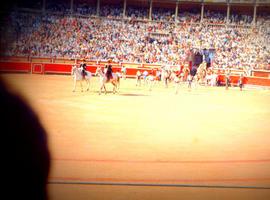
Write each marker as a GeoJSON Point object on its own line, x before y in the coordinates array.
{"type": "Point", "coordinates": [108, 70]}
{"type": "Point", "coordinates": [83, 66]}
{"type": "Point", "coordinates": [227, 78]}
{"type": "Point", "coordinates": [241, 81]}
{"type": "Point", "coordinates": [186, 72]}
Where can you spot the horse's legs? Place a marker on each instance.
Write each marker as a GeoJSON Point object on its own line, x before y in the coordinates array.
{"type": "Point", "coordinates": [118, 83]}
{"type": "Point", "coordinates": [101, 87]}
{"type": "Point", "coordinates": [88, 84]}
{"type": "Point", "coordinates": [104, 88]}
{"type": "Point", "coordinates": [195, 83]}
{"type": "Point", "coordinates": [81, 86]}
{"type": "Point", "coordinates": [176, 87]}
{"type": "Point", "coordinates": [166, 82]}
{"type": "Point", "coordinates": [150, 83]}
{"type": "Point", "coordinates": [100, 90]}
{"type": "Point", "coordinates": [114, 86]}
{"type": "Point", "coordinates": [74, 85]}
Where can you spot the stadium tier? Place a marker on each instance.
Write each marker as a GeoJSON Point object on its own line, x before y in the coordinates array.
{"type": "Point", "coordinates": [224, 33]}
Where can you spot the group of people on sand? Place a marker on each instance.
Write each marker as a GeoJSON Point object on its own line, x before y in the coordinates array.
{"type": "Point", "coordinates": [166, 74]}
{"type": "Point", "coordinates": [201, 75]}
{"type": "Point", "coordinates": [240, 82]}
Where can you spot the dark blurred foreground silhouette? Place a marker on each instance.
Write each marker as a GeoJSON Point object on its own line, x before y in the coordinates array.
{"type": "Point", "coordinates": [26, 156]}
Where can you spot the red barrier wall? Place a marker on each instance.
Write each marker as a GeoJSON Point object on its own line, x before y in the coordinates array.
{"type": "Point", "coordinates": [247, 80]}
{"type": "Point", "coordinates": [131, 65]}
{"type": "Point", "coordinates": [233, 79]}
{"type": "Point", "coordinates": [258, 81]}
{"type": "Point", "coordinates": [37, 68]}
{"type": "Point", "coordinates": [133, 71]}
{"type": "Point", "coordinates": [261, 73]}
{"type": "Point", "coordinates": [15, 67]}
{"type": "Point", "coordinates": [55, 68]}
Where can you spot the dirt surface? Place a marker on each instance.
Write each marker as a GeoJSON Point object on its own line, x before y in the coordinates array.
{"type": "Point", "coordinates": [203, 137]}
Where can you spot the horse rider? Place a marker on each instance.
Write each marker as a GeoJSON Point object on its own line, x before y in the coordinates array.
{"type": "Point", "coordinates": [185, 72]}
{"type": "Point", "coordinates": [190, 79]}
{"type": "Point", "coordinates": [227, 78]}
{"type": "Point", "coordinates": [193, 71]}
{"type": "Point", "coordinates": [109, 71]}
{"type": "Point", "coordinates": [124, 71]}
{"type": "Point", "coordinates": [241, 81]}
{"type": "Point", "coordinates": [138, 78]}
{"type": "Point", "coordinates": [83, 66]}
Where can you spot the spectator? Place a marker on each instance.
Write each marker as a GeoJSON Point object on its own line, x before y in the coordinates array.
{"type": "Point", "coordinates": [140, 41]}
{"type": "Point", "coordinates": [26, 159]}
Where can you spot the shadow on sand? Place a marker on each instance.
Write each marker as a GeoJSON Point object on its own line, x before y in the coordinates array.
{"type": "Point", "coordinates": [131, 94]}
{"type": "Point", "coordinates": [121, 94]}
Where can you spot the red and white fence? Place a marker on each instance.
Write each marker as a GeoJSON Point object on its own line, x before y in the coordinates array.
{"type": "Point", "coordinates": [63, 66]}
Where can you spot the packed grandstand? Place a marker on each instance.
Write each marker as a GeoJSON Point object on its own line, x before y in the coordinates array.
{"type": "Point", "coordinates": [224, 33]}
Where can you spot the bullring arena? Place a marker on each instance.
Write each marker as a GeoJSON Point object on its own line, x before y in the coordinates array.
{"type": "Point", "coordinates": [198, 137]}
{"type": "Point", "coordinates": [207, 143]}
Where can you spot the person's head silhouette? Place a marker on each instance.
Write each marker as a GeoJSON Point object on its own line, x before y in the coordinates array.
{"type": "Point", "coordinates": [26, 157]}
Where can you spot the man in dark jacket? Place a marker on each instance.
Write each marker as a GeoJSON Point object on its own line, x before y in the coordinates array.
{"type": "Point", "coordinates": [109, 71]}
{"type": "Point", "coordinates": [83, 66]}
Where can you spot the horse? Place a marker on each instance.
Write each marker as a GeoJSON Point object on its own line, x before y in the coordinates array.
{"type": "Point", "coordinates": [115, 80]}
{"type": "Point", "coordinates": [201, 73]}
{"type": "Point", "coordinates": [77, 76]}
{"type": "Point", "coordinates": [165, 76]}
{"type": "Point", "coordinates": [138, 78]}
{"type": "Point", "coordinates": [211, 77]}
{"type": "Point", "coordinates": [177, 80]}
{"type": "Point", "coordinates": [150, 80]}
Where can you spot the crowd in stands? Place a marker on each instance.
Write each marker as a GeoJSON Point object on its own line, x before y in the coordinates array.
{"type": "Point", "coordinates": [161, 14]}
{"type": "Point", "coordinates": [158, 14]}
{"type": "Point", "coordinates": [84, 9]}
{"type": "Point", "coordinates": [111, 11]}
{"type": "Point", "coordinates": [215, 17]}
{"type": "Point", "coordinates": [189, 17]}
{"type": "Point", "coordinates": [136, 13]}
{"type": "Point", "coordinates": [141, 41]}
{"type": "Point", "coordinates": [58, 8]}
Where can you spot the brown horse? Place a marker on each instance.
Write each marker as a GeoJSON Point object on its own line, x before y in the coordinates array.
{"type": "Point", "coordinates": [115, 80]}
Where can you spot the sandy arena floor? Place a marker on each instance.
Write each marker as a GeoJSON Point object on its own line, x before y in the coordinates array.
{"type": "Point", "coordinates": [203, 137]}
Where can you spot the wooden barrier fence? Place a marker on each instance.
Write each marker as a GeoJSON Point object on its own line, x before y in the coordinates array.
{"type": "Point", "coordinates": [63, 66]}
